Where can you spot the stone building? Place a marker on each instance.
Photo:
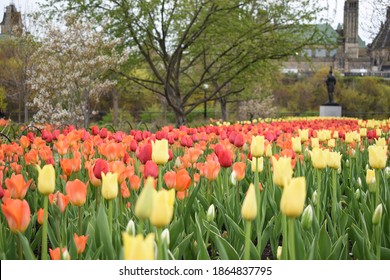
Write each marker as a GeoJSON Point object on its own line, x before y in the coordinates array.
{"type": "Point", "coordinates": [12, 21]}
{"type": "Point", "coordinates": [345, 51]}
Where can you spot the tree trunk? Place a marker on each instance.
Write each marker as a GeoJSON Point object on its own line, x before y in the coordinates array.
{"type": "Point", "coordinates": [181, 118]}
{"type": "Point", "coordinates": [86, 109]}
{"type": "Point", "coordinates": [115, 107]}
{"type": "Point", "coordinates": [223, 103]}
{"type": "Point", "coordinates": [25, 109]}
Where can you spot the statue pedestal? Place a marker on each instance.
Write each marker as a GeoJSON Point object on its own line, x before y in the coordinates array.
{"type": "Point", "coordinates": [330, 110]}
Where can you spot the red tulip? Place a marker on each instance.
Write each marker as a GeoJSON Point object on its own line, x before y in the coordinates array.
{"type": "Point", "coordinates": [225, 158]}
{"type": "Point", "coordinates": [150, 169]}
{"type": "Point", "coordinates": [100, 166]}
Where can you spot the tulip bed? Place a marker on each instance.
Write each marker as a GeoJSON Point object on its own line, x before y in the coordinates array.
{"type": "Point", "coordinates": [309, 188]}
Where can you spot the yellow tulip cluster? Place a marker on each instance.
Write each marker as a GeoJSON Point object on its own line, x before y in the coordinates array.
{"type": "Point", "coordinates": [157, 206]}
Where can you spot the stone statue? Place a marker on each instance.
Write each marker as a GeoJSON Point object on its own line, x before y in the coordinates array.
{"type": "Point", "coordinates": [330, 84]}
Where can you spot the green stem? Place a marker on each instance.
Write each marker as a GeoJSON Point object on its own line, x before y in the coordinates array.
{"type": "Point", "coordinates": [258, 199]}
{"type": "Point", "coordinates": [319, 202]}
{"type": "Point", "coordinates": [44, 230]}
{"type": "Point", "coordinates": [378, 240]}
{"type": "Point", "coordinates": [334, 198]}
{"type": "Point", "coordinates": [141, 227]}
{"type": "Point", "coordinates": [285, 238]}
{"type": "Point", "coordinates": [291, 238]}
{"type": "Point", "coordinates": [20, 252]}
{"type": "Point", "coordinates": [97, 197]}
{"type": "Point", "coordinates": [80, 219]}
{"type": "Point", "coordinates": [159, 186]}
{"type": "Point", "coordinates": [247, 239]}
{"type": "Point", "coordinates": [110, 215]}
{"type": "Point", "coordinates": [377, 190]}
{"type": "Point", "coordinates": [160, 253]}
{"type": "Point", "coordinates": [226, 185]}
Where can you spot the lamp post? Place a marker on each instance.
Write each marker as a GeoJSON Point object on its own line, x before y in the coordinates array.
{"type": "Point", "coordinates": [205, 87]}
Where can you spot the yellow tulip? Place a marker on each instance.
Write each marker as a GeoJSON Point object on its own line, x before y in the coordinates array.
{"type": "Point", "coordinates": [380, 142]}
{"type": "Point", "coordinates": [318, 158]}
{"type": "Point", "coordinates": [282, 171]}
{"type": "Point", "coordinates": [46, 179]}
{"type": "Point", "coordinates": [293, 197]}
{"type": "Point", "coordinates": [109, 185]}
{"type": "Point", "coordinates": [334, 160]}
{"type": "Point", "coordinates": [349, 137]}
{"type": "Point", "coordinates": [303, 134]}
{"type": "Point", "coordinates": [160, 153]}
{"type": "Point", "coordinates": [331, 143]}
{"type": "Point", "coordinates": [363, 132]}
{"type": "Point", "coordinates": [260, 164]}
{"type": "Point", "coordinates": [268, 151]}
{"type": "Point", "coordinates": [296, 144]}
{"type": "Point", "coordinates": [257, 146]}
{"type": "Point", "coordinates": [249, 206]}
{"type": "Point", "coordinates": [370, 179]}
{"type": "Point", "coordinates": [378, 132]}
{"type": "Point", "coordinates": [377, 156]}
{"type": "Point", "coordinates": [144, 203]}
{"type": "Point", "coordinates": [335, 134]}
{"type": "Point", "coordinates": [162, 211]}
{"type": "Point", "coordinates": [315, 143]}
{"type": "Point", "coordinates": [137, 247]}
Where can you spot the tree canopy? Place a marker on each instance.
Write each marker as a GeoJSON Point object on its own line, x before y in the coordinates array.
{"type": "Point", "coordinates": [186, 45]}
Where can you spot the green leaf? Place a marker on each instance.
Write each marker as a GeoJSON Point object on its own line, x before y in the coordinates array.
{"type": "Point", "coordinates": [226, 251]}
{"type": "Point", "coordinates": [27, 252]}
{"type": "Point", "coordinates": [324, 243]}
{"type": "Point", "coordinates": [183, 246]}
{"type": "Point", "coordinates": [104, 233]}
{"type": "Point", "coordinates": [201, 246]}
{"type": "Point", "coordinates": [385, 253]}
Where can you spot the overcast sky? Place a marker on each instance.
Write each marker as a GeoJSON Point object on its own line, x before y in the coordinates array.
{"type": "Point", "coordinates": [336, 8]}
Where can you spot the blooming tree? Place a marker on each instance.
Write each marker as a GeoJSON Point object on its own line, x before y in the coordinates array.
{"type": "Point", "coordinates": [71, 70]}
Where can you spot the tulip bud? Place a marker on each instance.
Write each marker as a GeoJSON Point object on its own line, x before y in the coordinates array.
{"type": "Point", "coordinates": [165, 237]}
{"type": "Point", "coordinates": [268, 151]}
{"type": "Point", "coordinates": [357, 194]}
{"type": "Point", "coordinates": [211, 213]}
{"type": "Point", "coordinates": [233, 178]}
{"type": "Point", "coordinates": [371, 180]}
{"type": "Point", "coordinates": [314, 198]}
{"type": "Point", "coordinates": [296, 144]}
{"type": "Point", "coordinates": [257, 146]}
{"type": "Point", "coordinates": [130, 228]}
{"type": "Point", "coordinates": [109, 185]}
{"type": "Point", "coordinates": [307, 217]}
{"type": "Point", "coordinates": [376, 218]}
{"type": "Point", "coordinates": [249, 206]}
{"type": "Point", "coordinates": [359, 182]}
{"type": "Point", "coordinates": [347, 163]}
{"type": "Point", "coordinates": [279, 253]}
{"type": "Point", "coordinates": [293, 197]}
{"type": "Point", "coordinates": [387, 172]}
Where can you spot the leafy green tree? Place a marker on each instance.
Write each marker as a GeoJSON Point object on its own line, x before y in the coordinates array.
{"type": "Point", "coordinates": [187, 44]}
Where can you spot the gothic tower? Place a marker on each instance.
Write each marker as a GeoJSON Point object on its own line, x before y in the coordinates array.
{"type": "Point", "coordinates": [351, 26]}
{"type": "Point", "coordinates": [12, 21]}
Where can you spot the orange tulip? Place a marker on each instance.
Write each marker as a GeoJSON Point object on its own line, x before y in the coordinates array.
{"type": "Point", "coordinates": [40, 214]}
{"type": "Point", "coordinates": [77, 192]}
{"type": "Point", "coordinates": [81, 242]}
{"type": "Point", "coordinates": [31, 157]}
{"type": "Point", "coordinates": [56, 255]}
{"type": "Point", "coordinates": [24, 142]}
{"type": "Point", "coordinates": [60, 200]}
{"type": "Point", "coordinates": [239, 169]}
{"type": "Point", "coordinates": [17, 212]}
{"type": "Point", "coordinates": [17, 186]}
{"type": "Point", "coordinates": [124, 190]}
{"type": "Point", "coordinates": [170, 179]}
{"type": "Point", "coordinates": [211, 170]}
{"type": "Point", "coordinates": [183, 180]}
{"type": "Point", "coordinates": [61, 146]}
{"type": "Point", "coordinates": [135, 182]}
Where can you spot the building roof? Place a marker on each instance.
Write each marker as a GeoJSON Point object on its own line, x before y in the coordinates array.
{"type": "Point", "coordinates": [382, 39]}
